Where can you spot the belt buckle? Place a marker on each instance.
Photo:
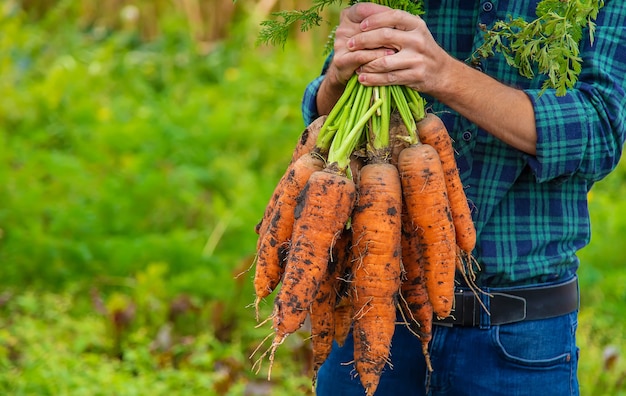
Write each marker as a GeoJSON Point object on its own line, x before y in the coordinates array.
{"type": "Point", "coordinates": [507, 308]}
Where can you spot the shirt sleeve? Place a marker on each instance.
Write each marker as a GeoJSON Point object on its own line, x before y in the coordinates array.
{"type": "Point", "coordinates": [583, 132]}
{"type": "Point", "coordinates": [309, 99]}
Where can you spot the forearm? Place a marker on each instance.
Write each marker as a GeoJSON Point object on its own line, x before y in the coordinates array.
{"type": "Point", "coordinates": [328, 94]}
{"type": "Point", "coordinates": [505, 112]}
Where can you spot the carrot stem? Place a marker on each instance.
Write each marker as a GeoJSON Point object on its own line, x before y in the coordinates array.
{"type": "Point", "coordinates": [380, 129]}
{"type": "Point", "coordinates": [341, 155]}
{"type": "Point", "coordinates": [343, 130]}
{"type": "Point", "coordinates": [402, 105]}
{"type": "Point", "coordinates": [416, 103]}
{"type": "Point", "coordinates": [327, 133]}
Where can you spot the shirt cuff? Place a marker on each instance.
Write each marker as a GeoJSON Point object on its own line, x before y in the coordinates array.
{"type": "Point", "coordinates": [563, 130]}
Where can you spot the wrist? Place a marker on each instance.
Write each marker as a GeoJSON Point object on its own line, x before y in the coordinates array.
{"type": "Point", "coordinates": [450, 81]}
{"type": "Point", "coordinates": [329, 92]}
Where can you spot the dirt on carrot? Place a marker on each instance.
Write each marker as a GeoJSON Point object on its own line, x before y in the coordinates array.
{"type": "Point", "coordinates": [376, 225]}
{"type": "Point", "coordinates": [432, 131]}
{"type": "Point", "coordinates": [323, 209]}
{"type": "Point", "coordinates": [274, 241]}
{"type": "Point", "coordinates": [414, 303]}
{"type": "Point", "coordinates": [306, 144]}
{"type": "Point", "coordinates": [426, 198]}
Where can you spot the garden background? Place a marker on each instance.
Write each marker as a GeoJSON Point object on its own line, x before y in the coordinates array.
{"type": "Point", "coordinates": [139, 143]}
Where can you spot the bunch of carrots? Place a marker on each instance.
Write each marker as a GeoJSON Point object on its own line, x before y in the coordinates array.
{"type": "Point", "coordinates": [369, 219]}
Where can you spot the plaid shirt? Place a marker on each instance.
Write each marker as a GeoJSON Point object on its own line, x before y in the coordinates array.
{"type": "Point", "coordinates": [531, 212]}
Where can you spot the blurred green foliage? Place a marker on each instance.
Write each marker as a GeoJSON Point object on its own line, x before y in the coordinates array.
{"type": "Point", "coordinates": [132, 173]}
{"type": "Point", "coordinates": [602, 323]}
{"type": "Point", "coordinates": [118, 153]}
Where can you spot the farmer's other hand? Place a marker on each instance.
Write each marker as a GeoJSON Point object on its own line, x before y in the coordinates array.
{"type": "Point", "coordinates": [416, 61]}
{"type": "Point", "coordinates": [347, 58]}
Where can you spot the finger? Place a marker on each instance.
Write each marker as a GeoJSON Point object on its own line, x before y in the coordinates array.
{"type": "Point", "coordinates": [360, 11]}
{"type": "Point", "coordinates": [380, 38]}
{"type": "Point", "coordinates": [395, 19]}
{"type": "Point", "coordinates": [351, 18]}
{"type": "Point", "coordinates": [354, 60]}
{"type": "Point", "coordinates": [397, 77]}
{"type": "Point", "coordinates": [383, 64]}
{"type": "Point", "coordinates": [390, 70]}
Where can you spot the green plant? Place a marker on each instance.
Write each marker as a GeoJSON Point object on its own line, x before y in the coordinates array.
{"type": "Point", "coordinates": [548, 45]}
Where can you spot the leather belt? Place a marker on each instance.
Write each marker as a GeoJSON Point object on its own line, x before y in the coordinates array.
{"type": "Point", "coordinates": [513, 305]}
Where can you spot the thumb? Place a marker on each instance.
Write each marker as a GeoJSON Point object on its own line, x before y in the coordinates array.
{"type": "Point", "coordinates": [358, 12]}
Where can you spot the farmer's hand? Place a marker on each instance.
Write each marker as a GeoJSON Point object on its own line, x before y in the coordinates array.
{"type": "Point", "coordinates": [347, 57]}
{"type": "Point", "coordinates": [385, 47]}
{"type": "Point", "coordinates": [417, 60]}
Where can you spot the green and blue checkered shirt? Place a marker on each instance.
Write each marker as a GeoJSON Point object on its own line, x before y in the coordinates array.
{"type": "Point", "coordinates": [531, 212]}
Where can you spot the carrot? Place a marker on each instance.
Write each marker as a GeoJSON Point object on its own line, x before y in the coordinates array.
{"type": "Point", "coordinates": [275, 240]}
{"type": "Point", "coordinates": [356, 163]}
{"type": "Point", "coordinates": [343, 318]}
{"type": "Point", "coordinates": [397, 137]}
{"type": "Point", "coordinates": [324, 206]}
{"type": "Point", "coordinates": [415, 304]}
{"type": "Point", "coordinates": [306, 144]}
{"type": "Point", "coordinates": [323, 306]}
{"type": "Point", "coordinates": [432, 131]}
{"type": "Point", "coordinates": [323, 319]}
{"type": "Point", "coordinates": [308, 138]}
{"type": "Point", "coordinates": [343, 309]}
{"type": "Point", "coordinates": [424, 191]}
{"type": "Point", "coordinates": [376, 282]}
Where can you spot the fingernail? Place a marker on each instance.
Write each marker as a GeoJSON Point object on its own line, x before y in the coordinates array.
{"type": "Point", "coordinates": [364, 25]}
{"type": "Point", "coordinates": [351, 43]}
{"type": "Point", "coordinates": [390, 52]}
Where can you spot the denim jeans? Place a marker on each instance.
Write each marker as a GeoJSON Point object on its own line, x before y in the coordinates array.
{"type": "Point", "coordinates": [537, 357]}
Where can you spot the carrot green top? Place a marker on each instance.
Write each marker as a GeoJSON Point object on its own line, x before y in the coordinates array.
{"type": "Point", "coordinates": [531, 212]}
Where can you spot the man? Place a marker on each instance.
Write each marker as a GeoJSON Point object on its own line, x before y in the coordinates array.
{"type": "Point", "coordinates": [527, 162]}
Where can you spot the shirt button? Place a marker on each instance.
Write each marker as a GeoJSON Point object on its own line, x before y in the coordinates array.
{"type": "Point", "coordinates": [467, 136]}
{"type": "Point", "coordinates": [487, 6]}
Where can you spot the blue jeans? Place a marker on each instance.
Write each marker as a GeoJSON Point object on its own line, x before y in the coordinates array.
{"type": "Point", "coordinates": [526, 358]}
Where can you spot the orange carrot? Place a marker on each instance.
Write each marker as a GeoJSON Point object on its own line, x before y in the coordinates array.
{"type": "Point", "coordinates": [275, 240]}
{"type": "Point", "coordinates": [306, 144]}
{"type": "Point", "coordinates": [418, 311]}
{"type": "Point", "coordinates": [323, 319]}
{"type": "Point", "coordinates": [324, 206]}
{"type": "Point", "coordinates": [308, 138]}
{"type": "Point", "coordinates": [397, 137]}
{"type": "Point", "coordinates": [342, 308]}
{"type": "Point", "coordinates": [344, 311]}
{"type": "Point", "coordinates": [432, 131]}
{"type": "Point", "coordinates": [424, 191]}
{"type": "Point", "coordinates": [376, 226]}
{"type": "Point", "coordinates": [323, 307]}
